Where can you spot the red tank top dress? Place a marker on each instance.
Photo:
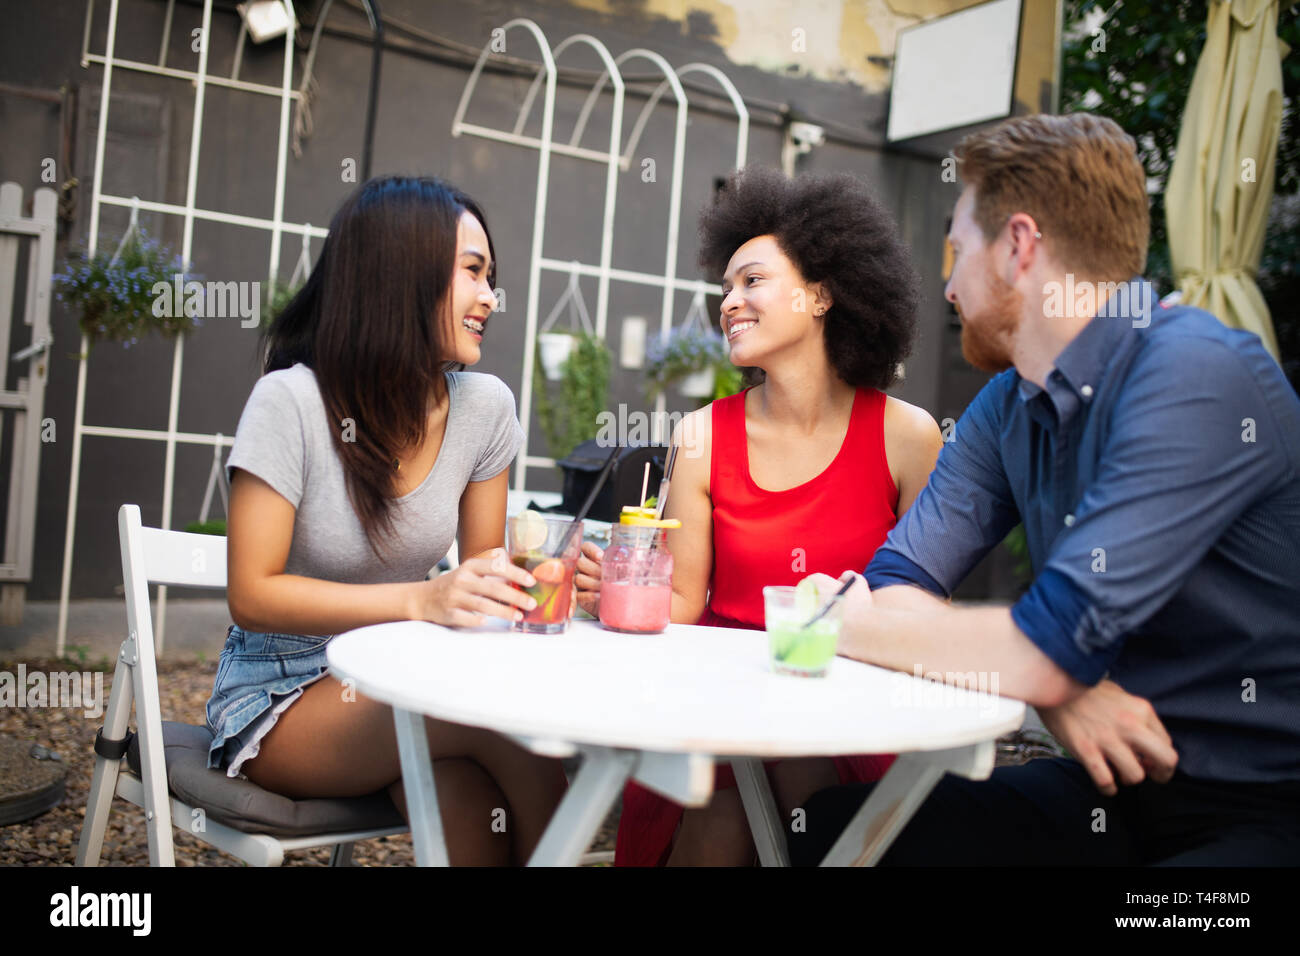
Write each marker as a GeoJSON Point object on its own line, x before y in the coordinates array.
{"type": "Point", "coordinates": [831, 523]}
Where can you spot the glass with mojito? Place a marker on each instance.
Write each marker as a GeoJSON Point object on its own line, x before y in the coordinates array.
{"type": "Point", "coordinates": [799, 648]}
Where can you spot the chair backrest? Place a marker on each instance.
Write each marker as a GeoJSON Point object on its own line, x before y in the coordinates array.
{"type": "Point", "coordinates": [155, 556]}
{"type": "Point", "coordinates": [176, 557]}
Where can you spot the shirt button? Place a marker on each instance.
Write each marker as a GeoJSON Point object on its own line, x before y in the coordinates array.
{"type": "Point", "coordinates": [1069, 521]}
{"type": "Point", "coordinates": [1086, 392]}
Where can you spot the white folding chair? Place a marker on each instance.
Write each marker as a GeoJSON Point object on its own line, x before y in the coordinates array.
{"type": "Point", "coordinates": [167, 774]}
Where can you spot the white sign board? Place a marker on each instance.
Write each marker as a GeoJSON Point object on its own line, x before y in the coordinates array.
{"type": "Point", "coordinates": [955, 70]}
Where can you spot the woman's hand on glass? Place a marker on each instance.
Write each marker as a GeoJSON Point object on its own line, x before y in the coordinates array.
{"type": "Point", "coordinates": [587, 580]}
{"type": "Point", "coordinates": [479, 587]}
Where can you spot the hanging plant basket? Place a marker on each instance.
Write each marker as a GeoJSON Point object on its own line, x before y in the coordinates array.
{"type": "Point", "coordinates": [698, 384]}
{"type": "Point", "coordinates": [569, 412]}
{"type": "Point", "coordinates": [690, 359]}
{"type": "Point", "coordinates": [555, 349]}
{"type": "Point", "coordinates": [121, 296]}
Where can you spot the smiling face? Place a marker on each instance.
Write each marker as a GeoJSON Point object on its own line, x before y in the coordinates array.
{"type": "Point", "coordinates": [767, 308]}
{"type": "Point", "coordinates": [988, 305]}
{"type": "Point", "coordinates": [472, 296]}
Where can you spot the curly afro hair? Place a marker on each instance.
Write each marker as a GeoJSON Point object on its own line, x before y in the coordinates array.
{"type": "Point", "coordinates": [836, 233]}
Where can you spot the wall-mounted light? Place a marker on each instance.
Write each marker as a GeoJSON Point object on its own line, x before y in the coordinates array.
{"type": "Point", "coordinates": [265, 19]}
{"type": "Point", "coordinates": [799, 138]}
{"type": "Point", "coordinates": [631, 352]}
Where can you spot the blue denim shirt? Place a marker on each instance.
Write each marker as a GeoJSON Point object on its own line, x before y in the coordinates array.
{"type": "Point", "coordinates": [1158, 479]}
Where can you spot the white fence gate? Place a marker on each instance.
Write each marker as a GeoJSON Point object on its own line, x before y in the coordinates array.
{"type": "Point", "coordinates": [28, 398]}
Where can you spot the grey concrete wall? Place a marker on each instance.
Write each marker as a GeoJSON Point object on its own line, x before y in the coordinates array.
{"type": "Point", "coordinates": [150, 126]}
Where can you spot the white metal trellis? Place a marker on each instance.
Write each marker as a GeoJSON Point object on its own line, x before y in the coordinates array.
{"type": "Point", "coordinates": [190, 212]}
{"type": "Point", "coordinates": [604, 272]}
{"type": "Point", "coordinates": [576, 306]}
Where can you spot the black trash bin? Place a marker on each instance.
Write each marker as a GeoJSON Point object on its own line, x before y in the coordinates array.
{"type": "Point", "coordinates": [622, 487]}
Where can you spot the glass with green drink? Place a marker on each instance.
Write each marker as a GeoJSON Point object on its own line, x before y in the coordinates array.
{"type": "Point", "coordinates": [798, 647]}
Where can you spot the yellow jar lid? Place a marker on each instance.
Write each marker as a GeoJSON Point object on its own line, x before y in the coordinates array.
{"type": "Point", "coordinates": [645, 518]}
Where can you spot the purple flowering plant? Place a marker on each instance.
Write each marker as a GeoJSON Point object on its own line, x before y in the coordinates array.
{"type": "Point", "coordinates": [116, 300]}
{"type": "Point", "coordinates": [689, 350]}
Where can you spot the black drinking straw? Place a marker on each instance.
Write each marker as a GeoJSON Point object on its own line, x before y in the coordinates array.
{"type": "Point", "coordinates": [591, 497]}
{"type": "Point", "coordinates": [662, 499]}
{"type": "Point", "coordinates": [827, 606]}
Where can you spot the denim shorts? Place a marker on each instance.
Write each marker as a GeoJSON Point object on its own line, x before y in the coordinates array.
{"type": "Point", "coordinates": [258, 677]}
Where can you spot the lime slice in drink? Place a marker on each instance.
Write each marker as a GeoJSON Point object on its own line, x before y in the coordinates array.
{"type": "Point", "coordinates": [810, 647]}
{"type": "Point", "coordinates": [529, 531]}
{"type": "Point", "coordinates": [806, 599]}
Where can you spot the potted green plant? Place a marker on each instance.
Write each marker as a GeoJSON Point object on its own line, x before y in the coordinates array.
{"type": "Point", "coordinates": [727, 380]}
{"type": "Point", "coordinates": [123, 295]}
{"type": "Point", "coordinates": [569, 416]}
{"type": "Point", "coordinates": [215, 526]}
{"type": "Point", "coordinates": [1017, 544]}
{"type": "Point", "coordinates": [555, 346]}
{"type": "Point", "coordinates": [278, 298]}
{"type": "Point", "coordinates": [553, 350]}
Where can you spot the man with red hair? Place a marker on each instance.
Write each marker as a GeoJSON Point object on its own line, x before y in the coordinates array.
{"type": "Point", "coordinates": [1153, 457]}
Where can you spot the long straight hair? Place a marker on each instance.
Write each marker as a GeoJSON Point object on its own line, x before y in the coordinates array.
{"type": "Point", "coordinates": [370, 322]}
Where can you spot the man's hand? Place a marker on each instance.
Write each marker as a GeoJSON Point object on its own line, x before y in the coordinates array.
{"type": "Point", "coordinates": [1107, 728]}
{"type": "Point", "coordinates": [855, 603]}
{"type": "Point", "coordinates": [859, 592]}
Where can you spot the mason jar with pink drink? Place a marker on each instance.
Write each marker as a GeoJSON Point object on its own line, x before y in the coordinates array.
{"type": "Point", "coordinates": [636, 576]}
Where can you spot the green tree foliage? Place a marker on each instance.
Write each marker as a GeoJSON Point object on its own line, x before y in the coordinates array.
{"type": "Point", "coordinates": [1133, 61]}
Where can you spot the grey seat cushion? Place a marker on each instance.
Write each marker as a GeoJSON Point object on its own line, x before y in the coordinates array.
{"type": "Point", "coordinates": [244, 805]}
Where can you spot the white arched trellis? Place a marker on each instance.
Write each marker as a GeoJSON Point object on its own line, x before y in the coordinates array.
{"type": "Point", "coordinates": [189, 213]}
{"type": "Point", "coordinates": [544, 82]}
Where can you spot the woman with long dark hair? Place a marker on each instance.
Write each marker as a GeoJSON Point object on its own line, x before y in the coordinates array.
{"type": "Point", "coordinates": [360, 455]}
{"type": "Point", "coordinates": [804, 472]}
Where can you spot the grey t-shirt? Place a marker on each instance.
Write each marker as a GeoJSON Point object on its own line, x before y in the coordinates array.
{"type": "Point", "coordinates": [284, 439]}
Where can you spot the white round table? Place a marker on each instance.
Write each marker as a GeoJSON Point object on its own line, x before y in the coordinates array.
{"type": "Point", "coordinates": [659, 708]}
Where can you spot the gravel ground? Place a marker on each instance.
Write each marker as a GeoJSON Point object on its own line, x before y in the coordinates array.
{"type": "Point", "coordinates": [51, 838]}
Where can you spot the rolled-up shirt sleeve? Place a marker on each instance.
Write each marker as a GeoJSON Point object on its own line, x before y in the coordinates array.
{"type": "Point", "coordinates": [965, 509]}
{"type": "Point", "coordinates": [1191, 446]}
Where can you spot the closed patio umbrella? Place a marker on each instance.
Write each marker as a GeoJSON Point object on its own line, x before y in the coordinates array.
{"type": "Point", "coordinates": [1221, 185]}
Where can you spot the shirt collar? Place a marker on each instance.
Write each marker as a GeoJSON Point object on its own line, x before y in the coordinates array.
{"type": "Point", "coordinates": [1081, 364]}
{"type": "Point", "coordinates": [1128, 307]}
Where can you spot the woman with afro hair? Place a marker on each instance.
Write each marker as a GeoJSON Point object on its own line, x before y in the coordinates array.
{"type": "Point", "coordinates": [804, 471]}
